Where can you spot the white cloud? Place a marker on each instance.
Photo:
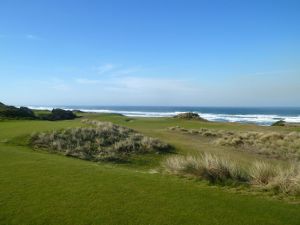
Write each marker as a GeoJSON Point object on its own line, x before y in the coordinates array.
{"type": "Point", "coordinates": [32, 37]}
{"type": "Point", "coordinates": [26, 36]}
{"type": "Point", "coordinates": [106, 68]}
{"type": "Point", "coordinates": [127, 71]}
{"type": "Point", "coordinates": [138, 90]}
{"type": "Point", "coordinates": [116, 70]}
{"type": "Point", "coordinates": [87, 81]}
{"type": "Point", "coordinates": [54, 83]}
{"type": "Point", "coordinates": [61, 87]}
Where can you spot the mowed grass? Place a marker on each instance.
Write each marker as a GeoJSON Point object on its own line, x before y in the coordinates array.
{"type": "Point", "coordinates": [42, 188]}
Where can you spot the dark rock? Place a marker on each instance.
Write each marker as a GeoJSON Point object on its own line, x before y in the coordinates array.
{"type": "Point", "coordinates": [60, 114]}
{"type": "Point", "coordinates": [189, 116]}
{"type": "Point", "coordinates": [279, 123]}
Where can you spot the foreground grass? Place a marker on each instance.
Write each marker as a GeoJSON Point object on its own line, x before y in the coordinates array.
{"type": "Point", "coordinates": [42, 188]}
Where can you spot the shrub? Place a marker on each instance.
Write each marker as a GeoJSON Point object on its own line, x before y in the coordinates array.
{"type": "Point", "coordinates": [14, 112]}
{"type": "Point", "coordinates": [105, 141]}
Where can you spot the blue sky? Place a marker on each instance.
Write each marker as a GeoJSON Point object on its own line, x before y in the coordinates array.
{"type": "Point", "coordinates": [205, 52]}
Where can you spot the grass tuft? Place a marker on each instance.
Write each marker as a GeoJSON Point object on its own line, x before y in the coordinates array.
{"type": "Point", "coordinates": [262, 173]}
{"type": "Point", "coordinates": [216, 169]}
{"type": "Point", "coordinates": [206, 166]}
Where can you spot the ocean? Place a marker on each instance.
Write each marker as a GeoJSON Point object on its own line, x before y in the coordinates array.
{"type": "Point", "coordinates": [258, 115]}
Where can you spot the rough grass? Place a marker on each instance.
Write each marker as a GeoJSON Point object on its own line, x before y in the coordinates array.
{"type": "Point", "coordinates": [218, 169]}
{"type": "Point", "coordinates": [270, 143]}
{"type": "Point", "coordinates": [206, 166]}
{"type": "Point", "coordinates": [103, 141]}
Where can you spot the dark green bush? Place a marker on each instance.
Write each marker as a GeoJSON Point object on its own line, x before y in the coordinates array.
{"type": "Point", "coordinates": [14, 112]}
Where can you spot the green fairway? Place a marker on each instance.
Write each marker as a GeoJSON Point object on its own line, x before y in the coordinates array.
{"type": "Point", "coordinates": [42, 188]}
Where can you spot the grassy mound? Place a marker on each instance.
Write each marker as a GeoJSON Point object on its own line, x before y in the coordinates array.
{"type": "Point", "coordinates": [216, 169]}
{"type": "Point", "coordinates": [273, 144]}
{"type": "Point", "coordinates": [103, 141]}
{"type": "Point", "coordinates": [189, 116]}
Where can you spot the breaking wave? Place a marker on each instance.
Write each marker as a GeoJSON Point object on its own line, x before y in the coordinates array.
{"type": "Point", "coordinates": [261, 119]}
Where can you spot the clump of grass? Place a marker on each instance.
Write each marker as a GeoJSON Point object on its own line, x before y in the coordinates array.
{"type": "Point", "coordinates": [216, 169]}
{"type": "Point", "coordinates": [206, 166]}
{"type": "Point", "coordinates": [262, 173]}
{"type": "Point", "coordinates": [287, 181]}
{"type": "Point", "coordinates": [273, 144]}
{"type": "Point", "coordinates": [104, 141]}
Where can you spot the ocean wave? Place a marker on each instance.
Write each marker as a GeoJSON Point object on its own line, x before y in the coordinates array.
{"type": "Point", "coordinates": [261, 119]}
{"type": "Point", "coordinates": [252, 118]}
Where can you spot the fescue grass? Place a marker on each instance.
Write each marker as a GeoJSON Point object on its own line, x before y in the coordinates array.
{"type": "Point", "coordinates": [205, 166]}
{"type": "Point", "coordinates": [104, 141]}
{"type": "Point", "coordinates": [272, 144]}
{"type": "Point", "coordinates": [222, 170]}
{"type": "Point", "coordinates": [261, 173]}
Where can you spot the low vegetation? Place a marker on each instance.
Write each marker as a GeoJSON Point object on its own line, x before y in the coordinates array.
{"type": "Point", "coordinates": [272, 144]}
{"type": "Point", "coordinates": [103, 141]}
{"type": "Point", "coordinates": [189, 116]}
{"type": "Point", "coordinates": [218, 169]}
{"type": "Point", "coordinates": [12, 112]}
{"type": "Point", "coordinates": [206, 166]}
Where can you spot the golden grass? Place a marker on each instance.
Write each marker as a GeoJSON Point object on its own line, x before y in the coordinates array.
{"type": "Point", "coordinates": [272, 144]}
{"type": "Point", "coordinates": [223, 170]}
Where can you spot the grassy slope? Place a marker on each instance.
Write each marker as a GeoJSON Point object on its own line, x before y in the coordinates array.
{"type": "Point", "coordinates": [43, 188]}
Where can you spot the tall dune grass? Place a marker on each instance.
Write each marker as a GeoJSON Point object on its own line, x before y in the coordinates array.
{"type": "Point", "coordinates": [272, 144]}
{"type": "Point", "coordinates": [216, 169]}
{"type": "Point", "coordinates": [206, 166]}
{"type": "Point", "coordinates": [104, 141]}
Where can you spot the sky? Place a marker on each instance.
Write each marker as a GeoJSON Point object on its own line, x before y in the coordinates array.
{"type": "Point", "coordinates": [150, 52]}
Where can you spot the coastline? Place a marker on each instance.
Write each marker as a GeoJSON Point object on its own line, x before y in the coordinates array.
{"type": "Point", "coordinates": [260, 116]}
